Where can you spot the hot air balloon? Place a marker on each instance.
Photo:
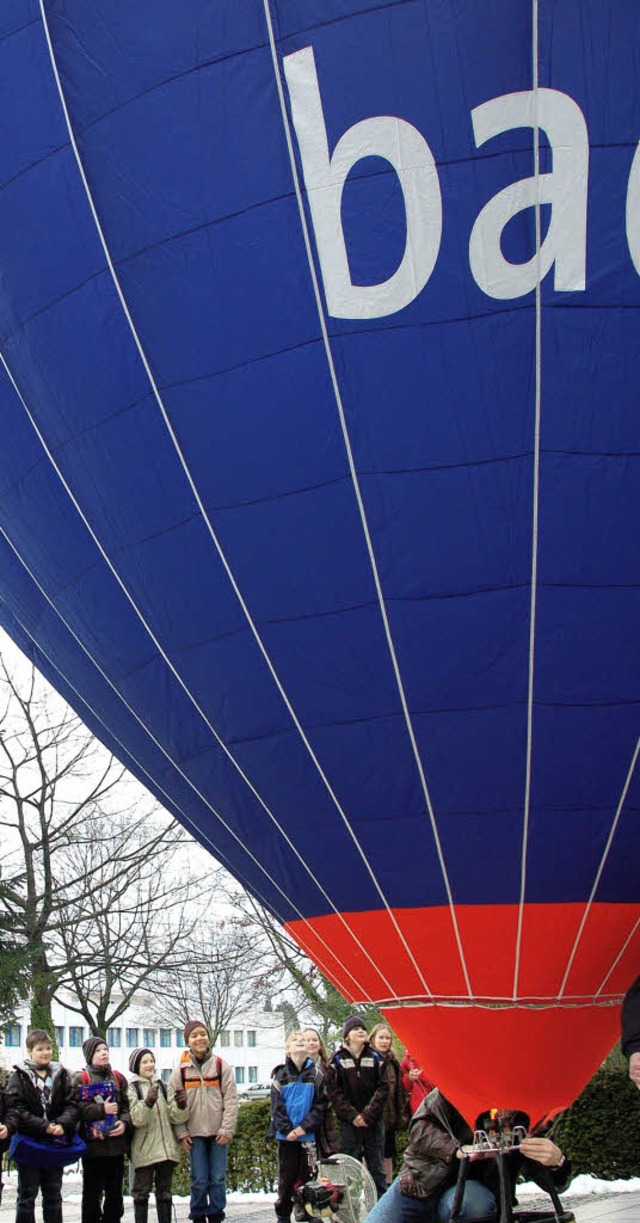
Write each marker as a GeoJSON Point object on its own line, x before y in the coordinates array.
{"type": "Point", "coordinates": [319, 477]}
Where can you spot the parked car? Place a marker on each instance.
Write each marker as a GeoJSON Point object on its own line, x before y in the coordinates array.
{"type": "Point", "coordinates": [255, 1091]}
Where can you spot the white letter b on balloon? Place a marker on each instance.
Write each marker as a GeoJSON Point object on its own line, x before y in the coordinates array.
{"type": "Point", "coordinates": [399, 143]}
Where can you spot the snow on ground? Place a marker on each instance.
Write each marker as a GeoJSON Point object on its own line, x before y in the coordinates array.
{"type": "Point", "coordinates": [582, 1187]}
{"type": "Point", "coordinates": [586, 1186]}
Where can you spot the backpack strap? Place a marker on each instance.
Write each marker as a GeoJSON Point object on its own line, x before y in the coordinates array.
{"type": "Point", "coordinates": [185, 1061]}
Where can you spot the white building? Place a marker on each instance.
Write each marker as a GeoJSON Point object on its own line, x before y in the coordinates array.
{"type": "Point", "coordinates": [253, 1043]}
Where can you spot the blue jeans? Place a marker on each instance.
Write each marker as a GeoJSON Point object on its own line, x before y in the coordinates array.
{"type": "Point", "coordinates": [394, 1207]}
{"type": "Point", "coordinates": [477, 1203]}
{"type": "Point", "coordinates": [208, 1172]}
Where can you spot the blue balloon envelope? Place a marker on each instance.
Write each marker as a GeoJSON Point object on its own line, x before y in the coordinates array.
{"type": "Point", "coordinates": [319, 476]}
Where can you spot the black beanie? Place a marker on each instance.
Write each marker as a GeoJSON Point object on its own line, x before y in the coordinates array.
{"type": "Point", "coordinates": [354, 1021]}
{"type": "Point", "coordinates": [89, 1047]}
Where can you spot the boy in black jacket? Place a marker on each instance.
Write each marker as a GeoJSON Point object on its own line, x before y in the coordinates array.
{"type": "Point", "coordinates": [357, 1088]}
{"type": "Point", "coordinates": [106, 1125]}
{"type": "Point", "coordinates": [42, 1100]}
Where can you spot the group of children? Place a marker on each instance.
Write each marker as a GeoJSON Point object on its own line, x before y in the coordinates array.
{"type": "Point", "coordinates": [197, 1110]}
{"type": "Point", "coordinates": [141, 1117]}
{"type": "Point", "coordinates": [365, 1086]}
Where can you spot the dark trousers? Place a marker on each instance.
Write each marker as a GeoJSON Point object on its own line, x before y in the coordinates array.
{"type": "Point", "coordinates": [293, 1171]}
{"type": "Point", "coordinates": [102, 1189]}
{"type": "Point", "coordinates": [143, 1182]}
{"type": "Point", "coordinates": [30, 1181]}
{"type": "Point", "coordinates": [367, 1141]}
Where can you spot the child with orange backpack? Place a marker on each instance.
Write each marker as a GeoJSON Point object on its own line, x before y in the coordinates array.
{"type": "Point", "coordinates": [212, 1104]}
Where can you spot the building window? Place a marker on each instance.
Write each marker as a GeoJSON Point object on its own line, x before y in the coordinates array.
{"type": "Point", "coordinates": [59, 1037]}
{"type": "Point", "coordinates": [76, 1037]}
{"type": "Point", "coordinates": [239, 1074]}
{"type": "Point", "coordinates": [149, 1037]}
{"type": "Point", "coordinates": [133, 1038]}
{"type": "Point", "coordinates": [179, 1038]}
{"type": "Point", "coordinates": [165, 1075]}
{"type": "Point", "coordinates": [13, 1035]}
{"type": "Point", "coordinates": [237, 1039]}
{"type": "Point", "coordinates": [253, 1074]}
{"type": "Point", "coordinates": [114, 1037]}
{"type": "Point", "coordinates": [225, 1040]}
{"type": "Point", "coordinates": [251, 1039]}
{"type": "Point", "coordinates": [165, 1038]}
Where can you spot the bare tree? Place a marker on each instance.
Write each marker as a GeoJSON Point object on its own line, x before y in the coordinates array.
{"type": "Point", "coordinates": [137, 922]}
{"type": "Point", "coordinates": [288, 977]}
{"type": "Point", "coordinates": [86, 883]}
{"type": "Point", "coordinates": [221, 977]}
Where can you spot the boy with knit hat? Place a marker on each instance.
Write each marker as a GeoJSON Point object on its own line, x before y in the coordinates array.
{"type": "Point", "coordinates": [104, 1112]}
{"type": "Point", "coordinates": [357, 1088]}
{"type": "Point", "coordinates": [212, 1110]}
{"type": "Point", "coordinates": [154, 1147]}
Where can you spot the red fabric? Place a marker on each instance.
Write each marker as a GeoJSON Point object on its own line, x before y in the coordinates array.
{"type": "Point", "coordinates": [484, 1051]}
{"type": "Point", "coordinates": [416, 1089]}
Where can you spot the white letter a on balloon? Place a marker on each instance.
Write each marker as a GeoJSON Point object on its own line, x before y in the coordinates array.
{"type": "Point", "coordinates": [399, 143]}
{"type": "Point", "coordinates": [564, 188]}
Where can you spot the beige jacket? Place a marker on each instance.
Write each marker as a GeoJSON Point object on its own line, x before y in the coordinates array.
{"type": "Point", "coordinates": [153, 1140]}
{"type": "Point", "coordinates": [212, 1101]}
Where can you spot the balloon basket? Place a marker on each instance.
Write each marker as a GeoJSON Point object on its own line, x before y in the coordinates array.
{"type": "Point", "coordinates": [507, 1212]}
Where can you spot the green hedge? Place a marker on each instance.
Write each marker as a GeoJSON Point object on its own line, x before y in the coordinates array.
{"type": "Point", "coordinates": [600, 1133]}
{"type": "Point", "coordinates": [253, 1164]}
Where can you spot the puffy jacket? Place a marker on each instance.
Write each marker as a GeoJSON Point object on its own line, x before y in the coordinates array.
{"type": "Point", "coordinates": [297, 1099]}
{"type": "Point", "coordinates": [93, 1110]}
{"type": "Point", "coordinates": [24, 1101]}
{"type": "Point", "coordinates": [357, 1086]}
{"type": "Point", "coordinates": [631, 1020]}
{"type": "Point", "coordinates": [153, 1140]}
{"type": "Point", "coordinates": [212, 1099]}
{"type": "Point", "coordinates": [8, 1118]}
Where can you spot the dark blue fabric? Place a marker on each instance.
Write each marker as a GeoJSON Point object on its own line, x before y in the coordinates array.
{"type": "Point", "coordinates": [178, 122]}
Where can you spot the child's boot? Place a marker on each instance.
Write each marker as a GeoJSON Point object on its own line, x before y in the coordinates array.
{"type": "Point", "coordinates": [164, 1207]}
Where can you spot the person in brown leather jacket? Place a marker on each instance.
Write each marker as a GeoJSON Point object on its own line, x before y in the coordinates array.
{"type": "Point", "coordinates": [424, 1190]}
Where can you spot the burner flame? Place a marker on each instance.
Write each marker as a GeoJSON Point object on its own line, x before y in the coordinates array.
{"type": "Point", "coordinates": [494, 1114]}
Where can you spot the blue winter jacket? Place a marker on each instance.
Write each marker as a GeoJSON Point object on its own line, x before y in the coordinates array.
{"type": "Point", "coordinates": [297, 1100]}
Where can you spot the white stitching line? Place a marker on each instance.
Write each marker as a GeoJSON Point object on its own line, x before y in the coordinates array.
{"type": "Point", "coordinates": [223, 560]}
{"type": "Point", "coordinates": [603, 860]}
{"type": "Point", "coordinates": [536, 490]}
{"type": "Point", "coordinates": [215, 851]}
{"type": "Point", "coordinates": [169, 664]}
{"type": "Point", "coordinates": [362, 513]}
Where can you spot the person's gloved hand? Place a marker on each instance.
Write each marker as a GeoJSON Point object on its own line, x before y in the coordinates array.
{"type": "Point", "coordinates": [152, 1095]}
{"type": "Point", "coordinates": [180, 1097]}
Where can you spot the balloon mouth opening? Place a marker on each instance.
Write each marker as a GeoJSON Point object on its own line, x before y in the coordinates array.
{"type": "Point", "coordinates": [552, 1002]}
